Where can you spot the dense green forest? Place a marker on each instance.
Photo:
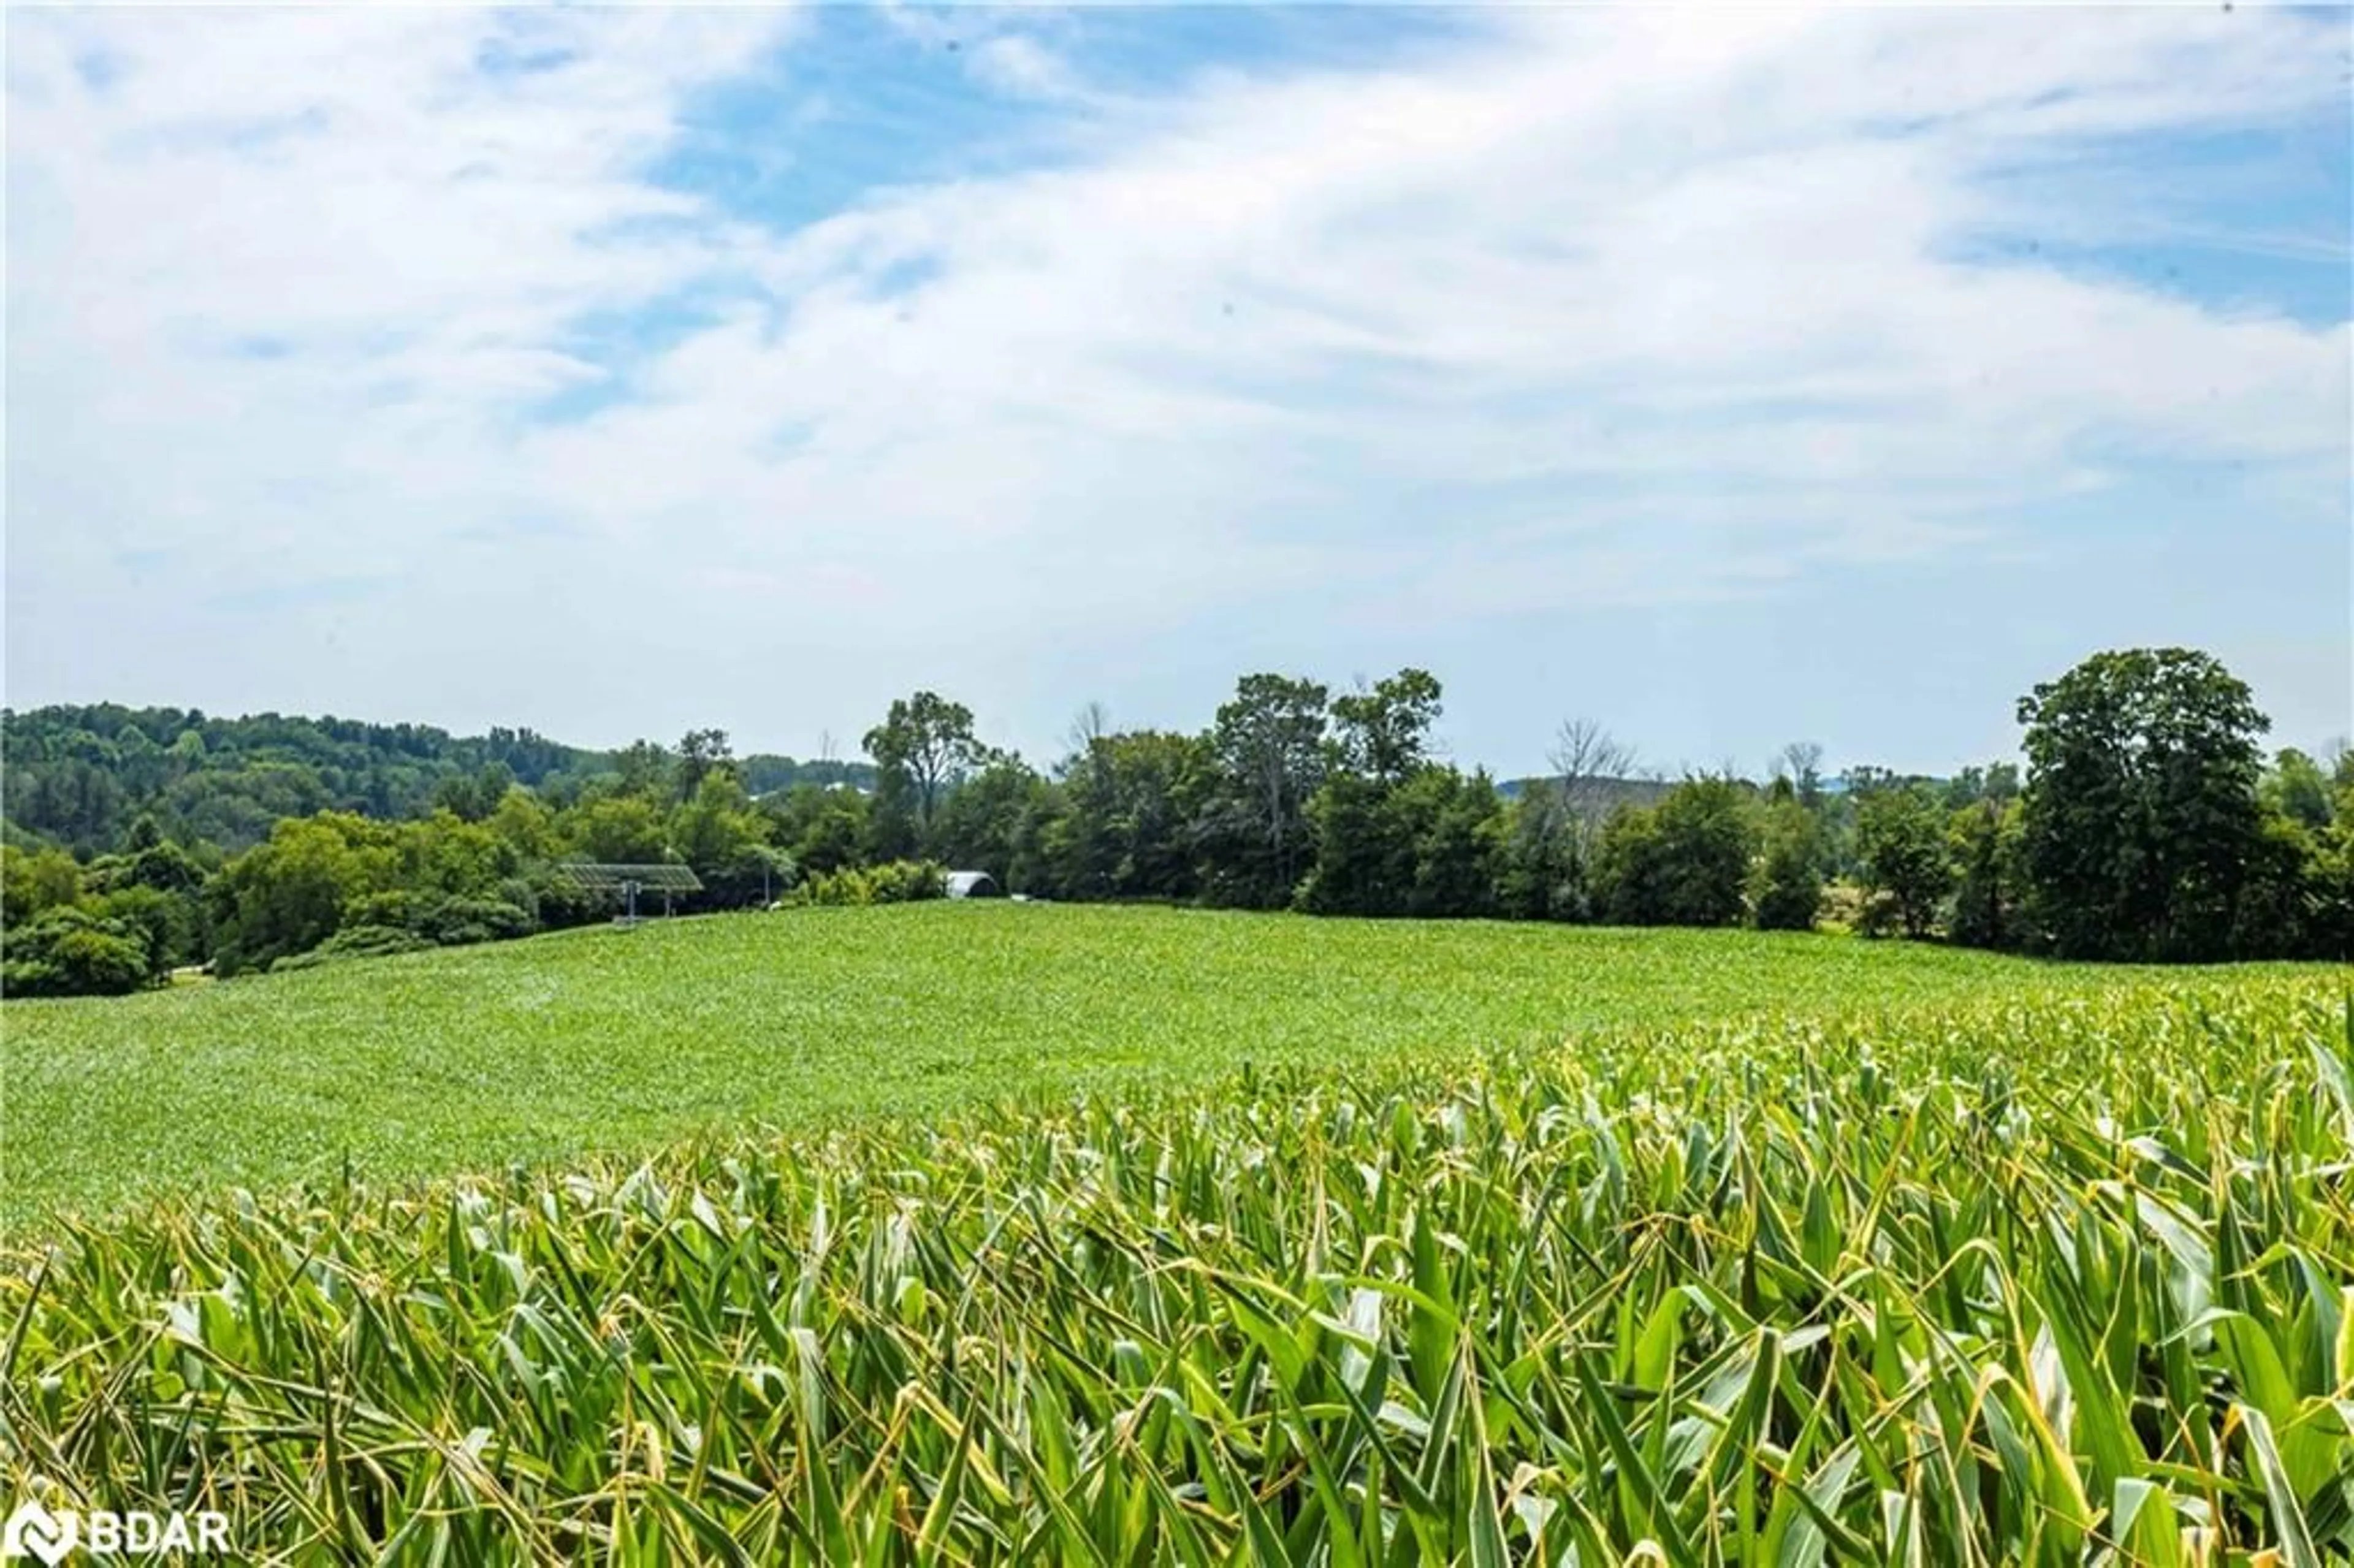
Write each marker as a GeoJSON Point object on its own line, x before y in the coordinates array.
{"type": "Point", "coordinates": [2148, 824]}
{"type": "Point", "coordinates": [81, 777]}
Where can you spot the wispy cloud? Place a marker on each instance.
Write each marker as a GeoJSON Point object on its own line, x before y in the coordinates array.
{"type": "Point", "coordinates": [1566, 309]}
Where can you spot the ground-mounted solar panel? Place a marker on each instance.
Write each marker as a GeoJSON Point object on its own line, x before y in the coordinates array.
{"type": "Point", "coordinates": [626, 881]}
{"type": "Point", "coordinates": [608, 877]}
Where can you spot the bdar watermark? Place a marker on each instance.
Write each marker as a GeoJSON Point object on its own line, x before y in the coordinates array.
{"type": "Point", "coordinates": [52, 1535]}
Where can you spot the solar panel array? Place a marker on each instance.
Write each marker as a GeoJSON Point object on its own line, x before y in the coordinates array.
{"type": "Point", "coordinates": [608, 876]}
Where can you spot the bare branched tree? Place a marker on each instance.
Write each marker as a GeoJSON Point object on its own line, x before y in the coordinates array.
{"type": "Point", "coordinates": [1088, 725]}
{"type": "Point", "coordinates": [1589, 765]}
{"type": "Point", "coordinates": [1801, 762]}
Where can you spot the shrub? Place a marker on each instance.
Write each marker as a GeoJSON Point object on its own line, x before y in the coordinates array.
{"type": "Point", "coordinates": [355, 942]}
{"type": "Point", "coordinates": [1879, 913]}
{"type": "Point", "coordinates": [171, 925]}
{"type": "Point", "coordinates": [71, 952]}
{"type": "Point", "coordinates": [457, 921]}
{"type": "Point", "coordinates": [520, 893]}
{"type": "Point", "coordinates": [402, 921]}
{"type": "Point", "coordinates": [395, 908]}
{"type": "Point", "coordinates": [1842, 907]}
{"type": "Point", "coordinates": [32, 881]}
{"type": "Point", "coordinates": [894, 882]}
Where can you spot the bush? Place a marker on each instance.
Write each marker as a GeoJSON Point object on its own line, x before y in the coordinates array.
{"type": "Point", "coordinates": [457, 921]}
{"type": "Point", "coordinates": [70, 952]}
{"type": "Point", "coordinates": [449, 920]}
{"type": "Point", "coordinates": [396, 907]}
{"type": "Point", "coordinates": [170, 924]}
{"type": "Point", "coordinates": [894, 882]}
{"type": "Point", "coordinates": [520, 893]}
{"type": "Point", "coordinates": [1879, 913]}
{"type": "Point", "coordinates": [1843, 907]}
{"type": "Point", "coordinates": [355, 942]}
{"type": "Point", "coordinates": [32, 881]}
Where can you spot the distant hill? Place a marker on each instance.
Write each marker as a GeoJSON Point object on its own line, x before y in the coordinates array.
{"type": "Point", "coordinates": [767, 774]}
{"type": "Point", "coordinates": [1608, 793]}
{"type": "Point", "coordinates": [80, 775]}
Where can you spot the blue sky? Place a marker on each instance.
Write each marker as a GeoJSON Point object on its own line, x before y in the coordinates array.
{"type": "Point", "coordinates": [1727, 376]}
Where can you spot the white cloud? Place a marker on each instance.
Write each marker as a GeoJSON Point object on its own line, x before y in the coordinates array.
{"type": "Point", "coordinates": [1601, 308]}
{"type": "Point", "coordinates": [1020, 64]}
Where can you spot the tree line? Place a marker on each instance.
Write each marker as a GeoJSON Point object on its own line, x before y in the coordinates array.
{"type": "Point", "coordinates": [2147, 824]}
{"type": "Point", "coordinates": [83, 778]}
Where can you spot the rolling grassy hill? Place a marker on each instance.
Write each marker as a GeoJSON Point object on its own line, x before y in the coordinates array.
{"type": "Point", "coordinates": [598, 1040]}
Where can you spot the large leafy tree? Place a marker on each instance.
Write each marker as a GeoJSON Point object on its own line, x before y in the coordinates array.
{"type": "Point", "coordinates": [701, 753]}
{"type": "Point", "coordinates": [288, 895]}
{"type": "Point", "coordinates": [1684, 861]}
{"type": "Point", "coordinates": [1984, 838]}
{"type": "Point", "coordinates": [1127, 828]}
{"type": "Point", "coordinates": [717, 832]}
{"type": "Point", "coordinates": [1269, 745]}
{"type": "Point", "coordinates": [2297, 788]}
{"type": "Point", "coordinates": [1902, 851]}
{"type": "Point", "coordinates": [646, 768]}
{"type": "Point", "coordinates": [2140, 817]}
{"type": "Point", "coordinates": [716, 828]}
{"type": "Point", "coordinates": [996, 822]}
{"type": "Point", "coordinates": [1453, 823]}
{"type": "Point", "coordinates": [922, 749]}
{"type": "Point", "coordinates": [35, 880]}
{"type": "Point", "coordinates": [1365, 853]}
{"type": "Point", "coordinates": [474, 796]}
{"type": "Point", "coordinates": [630, 829]}
{"type": "Point", "coordinates": [1384, 734]}
{"type": "Point", "coordinates": [1786, 885]}
{"type": "Point", "coordinates": [1538, 876]}
{"type": "Point", "coordinates": [824, 828]}
{"type": "Point", "coordinates": [1365, 831]}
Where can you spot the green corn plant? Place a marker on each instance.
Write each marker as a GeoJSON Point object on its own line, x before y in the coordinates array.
{"type": "Point", "coordinates": [2047, 1280]}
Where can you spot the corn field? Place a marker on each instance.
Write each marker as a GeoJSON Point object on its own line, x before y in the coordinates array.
{"type": "Point", "coordinates": [2049, 1281]}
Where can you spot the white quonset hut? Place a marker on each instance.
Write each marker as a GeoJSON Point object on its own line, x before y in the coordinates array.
{"type": "Point", "coordinates": [973, 884]}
